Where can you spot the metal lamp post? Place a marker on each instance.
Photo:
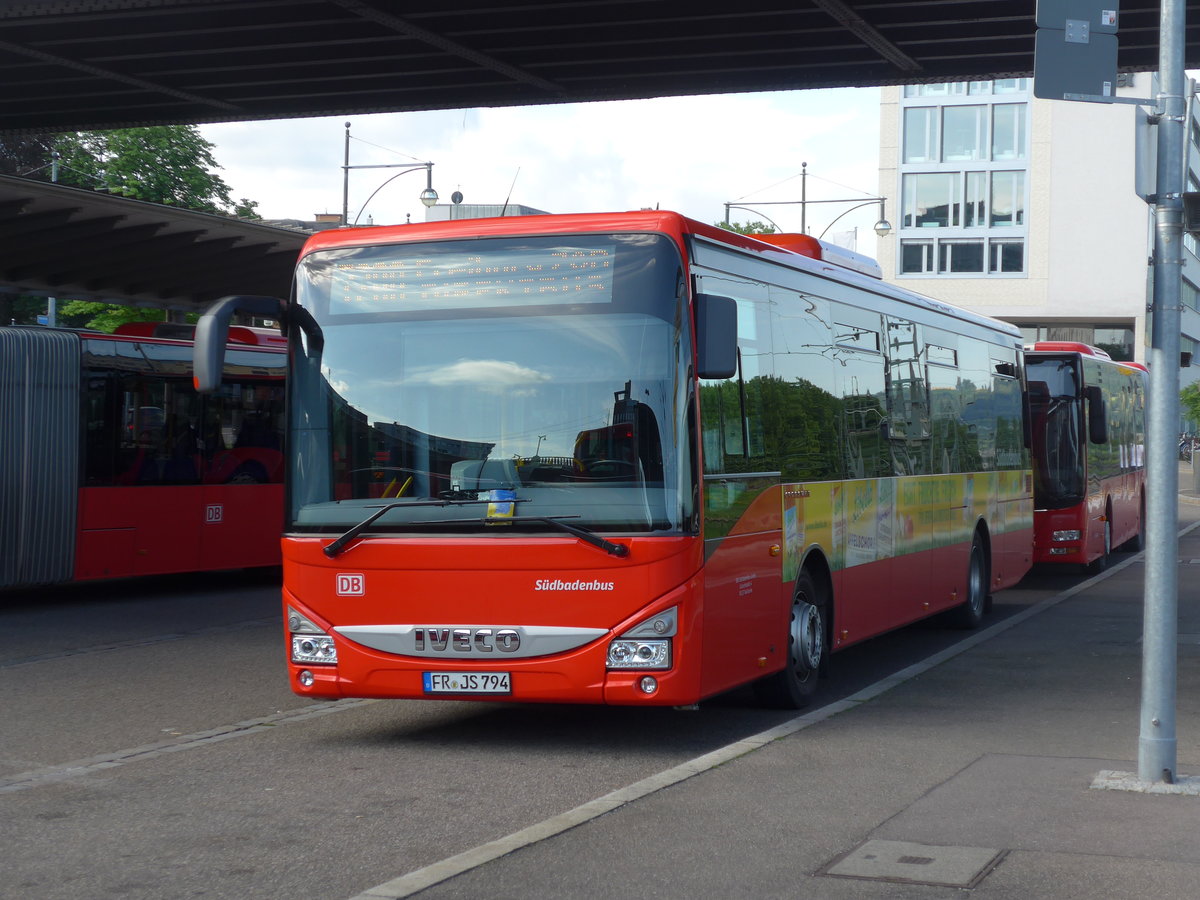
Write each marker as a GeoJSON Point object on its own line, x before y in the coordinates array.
{"type": "Point", "coordinates": [429, 197]}
{"type": "Point", "coordinates": [882, 227]}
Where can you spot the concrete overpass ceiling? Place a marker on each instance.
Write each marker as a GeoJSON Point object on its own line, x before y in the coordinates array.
{"type": "Point", "coordinates": [71, 65]}
{"type": "Point", "coordinates": [92, 64]}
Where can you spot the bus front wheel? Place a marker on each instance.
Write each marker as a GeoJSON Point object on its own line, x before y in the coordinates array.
{"type": "Point", "coordinates": [1100, 563]}
{"type": "Point", "coordinates": [970, 613]}
{"type": "Point", "coordinates": [795, 686]}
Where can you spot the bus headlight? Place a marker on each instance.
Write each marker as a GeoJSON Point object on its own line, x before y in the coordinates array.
{"type": "Point", "coordinates": [1065, 536]}
{"type": "Point", "coordinates": [309, 643]}
{"type": "Point", "coordinates": [647, 645]}
{"type": "Point", "coordinates": [624, 653]}
{"type": "Point", "coordinates": [313, 648]}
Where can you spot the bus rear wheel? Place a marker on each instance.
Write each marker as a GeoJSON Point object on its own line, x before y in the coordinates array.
{"type": "Point", "coordinates": [795, 686]}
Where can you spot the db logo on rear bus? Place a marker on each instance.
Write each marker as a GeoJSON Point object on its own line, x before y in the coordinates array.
{"type": "Point", "coordinates": [350, 585]}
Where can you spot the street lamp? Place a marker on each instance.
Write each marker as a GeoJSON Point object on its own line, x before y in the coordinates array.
{"type": "Point", "coordinates": [429, 197]}
{"type": "Point", "coordinates": [882, 227]}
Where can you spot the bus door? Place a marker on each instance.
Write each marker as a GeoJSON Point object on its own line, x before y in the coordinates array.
{"type": "Point", "coordinates": [910, 439]}
{"type": "Point", "coordinates": [745, 611]}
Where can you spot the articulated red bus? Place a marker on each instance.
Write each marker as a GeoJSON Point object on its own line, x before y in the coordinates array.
{"type": "Point", "coordinates": [1087, 416]}
{"type": "Point", "coordinates": [627, 459]}
{"type": "Point", "coordinates": [114, 466]}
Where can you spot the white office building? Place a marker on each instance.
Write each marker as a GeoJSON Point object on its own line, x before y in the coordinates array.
{"type": "Point", "coordinates": [1026, 210]}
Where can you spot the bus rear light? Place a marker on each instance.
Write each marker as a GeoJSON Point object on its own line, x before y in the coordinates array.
{"type": "Point", "coordinates": [1066, 535]}
{"type": "Point", "coordinates": [639, 654]}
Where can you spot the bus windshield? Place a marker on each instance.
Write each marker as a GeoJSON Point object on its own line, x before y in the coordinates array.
{"type": "Point", "coordinates": [1056, 411]}
{"type": "Point", "coordinates": [506, 381]}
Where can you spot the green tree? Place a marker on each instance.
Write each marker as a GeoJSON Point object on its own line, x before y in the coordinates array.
{"type": "Point", "coordinates": [755, 227]}
{"type": "Point", "coordinates": [1189, 400]}
{"type": "Point", "coordinates": [170, 164]}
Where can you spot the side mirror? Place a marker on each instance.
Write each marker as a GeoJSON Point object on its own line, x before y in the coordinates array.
{"type": "Point", "coordinates": [716, 336]}
{"type": "Point", "coordinates": [1097, 415]}
{"type": "Point", "coordinates": [212, 333]}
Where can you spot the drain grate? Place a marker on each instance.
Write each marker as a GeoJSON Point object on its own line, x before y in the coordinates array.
{"type": "Point", "coordinates": [907, 863]}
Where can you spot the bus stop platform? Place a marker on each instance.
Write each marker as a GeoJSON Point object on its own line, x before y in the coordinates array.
{"type": "Point", "coordinates": [1004, 767]}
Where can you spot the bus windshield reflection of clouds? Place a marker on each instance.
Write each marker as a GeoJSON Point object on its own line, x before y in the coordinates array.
{"type": "Point", "coordinates": [465, 398]}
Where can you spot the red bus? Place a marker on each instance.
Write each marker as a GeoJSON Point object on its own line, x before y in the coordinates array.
{"type": "Point", "coordinates": [627, 459]}
{"type": "Point", "coordinates": [1088, 416]}
{"type": "Point", "coordinates": [114, 466]}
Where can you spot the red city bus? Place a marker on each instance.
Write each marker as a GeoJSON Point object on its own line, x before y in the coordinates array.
{"type": "Point", "coordinates": [627, 459]}
{"type": "Point", "coordinates": [1088, 425]}
{"type": "Point", "coordinates": [113, 465]}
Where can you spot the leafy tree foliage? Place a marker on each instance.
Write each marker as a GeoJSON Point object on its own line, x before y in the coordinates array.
{"type": "Point", "coordinates": [755, 227]}
{"type": "Point", "coordinates": [1189, 399]}
{"type": "Point", "coordinates": [171, 164]}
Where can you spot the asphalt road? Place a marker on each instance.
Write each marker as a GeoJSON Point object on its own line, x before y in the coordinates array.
{"type": "Point", "coordinates": [150, 747]}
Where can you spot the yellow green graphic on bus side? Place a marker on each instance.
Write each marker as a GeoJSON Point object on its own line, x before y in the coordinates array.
{"type": "Point", "coordinates": [859, 522]}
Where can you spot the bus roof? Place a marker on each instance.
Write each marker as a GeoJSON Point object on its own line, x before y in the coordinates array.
{"type": "Point", "coordinates": [176, 331]}
{"type": "Point", "coordinates": [1066, 347]}
{"type": "Point", "coordinates": [792, 250]}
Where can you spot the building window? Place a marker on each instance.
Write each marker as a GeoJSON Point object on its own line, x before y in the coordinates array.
{"type": "Point", "coordinates": [1189, 295]}
{"type": "Point", "coordinates": [930, 200]}
{"type": "Point", "coordinates": [1116, 342]}
{"type": "Point", "coordinates": [1008, 199]}
{"type": "Point", "coordinates": [963, 132]}
{"type": "Point", "coordinates": [1010, 86]}
{"type": "Point", "coordinates": [975, 200]}
{"type": "Point", "coordinates": [916, 257]}
{"type": "Point", "coordinates": [1008, 131]}
{"type": "Point", "coordinates": [956, 257]}
{"type": "Point", "coordinates": [1007, 256]}
{"type": "Point", "coordinates": [920, 134]}
{"type": "Point", "coordinates": [963, 179]}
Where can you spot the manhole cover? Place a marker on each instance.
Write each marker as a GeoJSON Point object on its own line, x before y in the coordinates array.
{"type": "Point", "coordinates": [900, 861]}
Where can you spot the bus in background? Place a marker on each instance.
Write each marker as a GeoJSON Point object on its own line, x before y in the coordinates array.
{"type": "Point", "coordinates": [627, 458]}
{"type": "Point", "coordinates": [113, 465]}
{"type": "Point", "coordinates": [1088, 430]}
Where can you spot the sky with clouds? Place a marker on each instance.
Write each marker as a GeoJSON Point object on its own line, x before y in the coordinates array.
{"type": "Point", "coordinates": [688, 154]}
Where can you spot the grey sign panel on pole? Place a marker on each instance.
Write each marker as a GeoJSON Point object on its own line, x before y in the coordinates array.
{"type": "Point", "coordinates": [1075, 49]}
{"type": "Point", "coordinates": [1100, 16]}
{"type": "Point", "coordinates": [1062, 66]}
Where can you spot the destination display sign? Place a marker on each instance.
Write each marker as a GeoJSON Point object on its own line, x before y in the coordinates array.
{"type": "Point", "coordinates": [474, 275]}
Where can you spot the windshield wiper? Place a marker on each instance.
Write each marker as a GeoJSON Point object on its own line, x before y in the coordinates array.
{"type": "Point", "coordinates": [337, 546]}
{"type": "Point", "coordinates": [584, 534]}
{"type": "Point", "coordinates": [588, 537]}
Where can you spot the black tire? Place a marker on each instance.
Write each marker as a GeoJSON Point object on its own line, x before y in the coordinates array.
{"type": "Point", "coordinates": [969, 614]}
{"type": "Point", "coordinates": [808, 646]}
{"type": "Point", "coordinates": [1137, 543]}
{"type": "Point", "coordinates": [1100, 563]}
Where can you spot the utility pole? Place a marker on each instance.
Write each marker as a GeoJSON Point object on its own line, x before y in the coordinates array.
{"type": "Point", "coordinates": [1157, 740]}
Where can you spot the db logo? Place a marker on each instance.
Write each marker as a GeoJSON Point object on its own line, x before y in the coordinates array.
{"type": "Point", "coordinates": [350, 585]}
{"type": "Point", "coordinates": [213, 513]}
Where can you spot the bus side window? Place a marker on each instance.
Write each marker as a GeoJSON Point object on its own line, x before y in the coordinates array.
{"type": "Point", "coordinates": [732, 409]}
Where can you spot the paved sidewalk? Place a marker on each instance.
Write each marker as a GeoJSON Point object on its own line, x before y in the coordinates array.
{"type": "Point", "coordinates": [981, 773]}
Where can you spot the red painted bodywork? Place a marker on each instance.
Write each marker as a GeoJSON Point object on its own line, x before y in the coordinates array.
{"type": "Point", "coordinates": [153, 530]}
